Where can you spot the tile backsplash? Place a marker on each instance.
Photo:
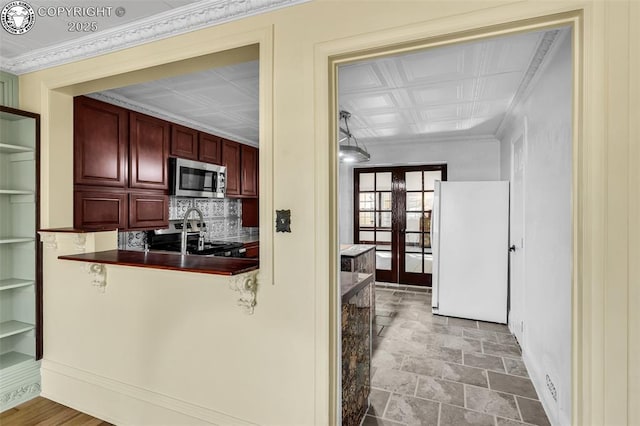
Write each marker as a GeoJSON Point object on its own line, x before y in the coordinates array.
{"type": "Point", "coordinates": [223, 218]}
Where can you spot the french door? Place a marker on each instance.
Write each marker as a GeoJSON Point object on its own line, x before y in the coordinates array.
{"type": "Point", "coordinates": [392, 210]}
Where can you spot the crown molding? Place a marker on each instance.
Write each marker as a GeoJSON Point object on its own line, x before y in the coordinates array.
{"type": "Point", "coordinates": [114, 99]}
{"type": "Point", "coordinates": [537, 64]}
{"type": "Point", "coordinates": [174, 22]}
{"type": "Point", "coordinates": [422, 139]}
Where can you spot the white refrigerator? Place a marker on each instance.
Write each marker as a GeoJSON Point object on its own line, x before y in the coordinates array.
{"type": "Point", "coordinates": [470, 231]}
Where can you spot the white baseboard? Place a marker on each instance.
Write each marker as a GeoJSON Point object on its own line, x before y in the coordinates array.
{"type": "Point", "coordinates": [122, 403]}
{"type": "Point", "coordinates": [536, 372]}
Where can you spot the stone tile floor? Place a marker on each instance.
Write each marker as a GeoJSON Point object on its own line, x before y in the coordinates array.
{"type": "Point", "coordinates": [433, 370]}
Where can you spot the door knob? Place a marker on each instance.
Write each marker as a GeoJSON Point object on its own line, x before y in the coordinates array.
{"type": "Point", "coordinates": [512, 248]}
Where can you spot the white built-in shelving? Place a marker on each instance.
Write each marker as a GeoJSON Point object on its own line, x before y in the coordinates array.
{"type": "Point", "coordinates": [19, 369]}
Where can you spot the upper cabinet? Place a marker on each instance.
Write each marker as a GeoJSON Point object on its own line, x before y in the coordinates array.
{"type": "Point", "coordinates": [184, 142]}
{"type": "Point", "coordinates": [249, 171]}
{"type": "Point", "coordinates": [231, 160]}
{"type": "Point", "coordinates": [242, 169]}
{"type": "Point", "coordinates": [100, 143]}
{"type": "Point", "coordinates": [210, 149]}
{"type": "Point", "coordinates": [148, 152]}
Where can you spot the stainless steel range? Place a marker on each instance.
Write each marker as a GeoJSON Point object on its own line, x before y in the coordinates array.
{"type": "Point", "coordinates": [170, 240]}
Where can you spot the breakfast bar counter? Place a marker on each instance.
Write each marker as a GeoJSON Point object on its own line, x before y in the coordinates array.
{"type": "Point", "coordinates": [216, 265]}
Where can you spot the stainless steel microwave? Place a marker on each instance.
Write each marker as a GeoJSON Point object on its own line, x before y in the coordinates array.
{"type": "Point", "coordinates": [188, 178]}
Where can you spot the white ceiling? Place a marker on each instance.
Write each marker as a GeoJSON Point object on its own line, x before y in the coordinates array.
{"type": "Point", "coordinates": [50, 43]}
{"type": "Point", "coordinates": [456, 91]}
{"type": "Point", "coordinates": [222, 101]}
{"type": "Point", "coordinates": [462, 90]}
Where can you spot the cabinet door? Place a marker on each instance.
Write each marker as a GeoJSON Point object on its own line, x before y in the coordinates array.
{"type": "Point", "coordinates": [249, 179]}
{"type": "Point", "coordinates": [148, 210]}
{"type": "Point", "coordinates": [250, 213]}
{"type": "Point", "coordinates": [210, 147]}
{"type": "Point", "coordinates": [99, 143]}
{"type": "Point", "coordinates": [184, 142]}
{"type": "Point", "coordinates": [231, 160]}
{"type": "Point", "coordinates": [148, 151]}
{"type": "Point", "coordinates": [99, 209]}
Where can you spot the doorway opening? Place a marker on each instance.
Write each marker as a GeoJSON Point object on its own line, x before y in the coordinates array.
{"type": "Point", "coordinates": [463, 105]}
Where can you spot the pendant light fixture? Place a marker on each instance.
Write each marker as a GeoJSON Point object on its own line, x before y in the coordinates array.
{"type": "Point", "coordinates": [350, 150]}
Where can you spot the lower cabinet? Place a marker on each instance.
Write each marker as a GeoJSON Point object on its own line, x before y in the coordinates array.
{"type": "Point", "coordinates": [253, 250]}
{"type": "Point", "coordinates": [94, 210]}
{"type": "Point", "coordinates": [148, 211]}
{"type": "Point", "coordinates": [104, 209]}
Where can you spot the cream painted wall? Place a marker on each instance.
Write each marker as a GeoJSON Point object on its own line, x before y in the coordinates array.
{"type": "Point", "coordinates": [546, 308]}
{"type": "Point", "coordinates": [173, 347]}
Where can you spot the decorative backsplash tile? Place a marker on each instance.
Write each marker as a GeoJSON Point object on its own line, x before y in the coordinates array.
{"type": "Point", "coordinates": [222, 216]}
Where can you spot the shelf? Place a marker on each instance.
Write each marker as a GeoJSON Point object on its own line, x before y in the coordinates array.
{"type": "Point", "coordinates": [14, 358]}
{"type": "Point", "coordinates": [12, 149]}
{"type": "Point", "coordinates": [10, 328]}
{"type": "Point", "coordinates": [15, 192]}
{"type": "Point", "coordinates": [11, 240]}
{"type": "Point", "coordinates": [14, 283]}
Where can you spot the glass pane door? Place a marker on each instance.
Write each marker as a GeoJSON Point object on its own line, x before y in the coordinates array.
{"type": "Point", "coordinates": [393, 212]}
{"type": "Point", "coordinates": [415, 251]}
{"type": "Point", "coordinates": [374, 224]}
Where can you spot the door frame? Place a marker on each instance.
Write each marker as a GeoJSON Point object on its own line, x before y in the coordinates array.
{"type": "Point", "coordinates": [330, 55]}
{"type": "Point", "coordinates": [513, 326]}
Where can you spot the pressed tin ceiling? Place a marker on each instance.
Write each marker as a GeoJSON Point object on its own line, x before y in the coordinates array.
{"type": "Point", "coordinates": [457, 91]}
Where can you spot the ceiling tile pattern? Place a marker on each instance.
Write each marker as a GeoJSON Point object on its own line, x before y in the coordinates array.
{"type": "Point", "coordinates": [459, 90]}
{"type": "Point", "coordinates": [222, 101]}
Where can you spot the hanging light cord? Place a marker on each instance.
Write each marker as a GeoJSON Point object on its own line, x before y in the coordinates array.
{"type": "Point", "coordinates": [345, 115]}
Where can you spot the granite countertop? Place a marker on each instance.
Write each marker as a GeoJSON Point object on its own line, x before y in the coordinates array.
{"type": "Point", "coordinates": [216, 265]}
{"type": "Point", "coordinates": [353, 250]}
{"type": "Point", "coordinates": [353, 282]}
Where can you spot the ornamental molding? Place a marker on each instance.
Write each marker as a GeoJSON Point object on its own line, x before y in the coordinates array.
{"type": "Point", "coordinates": [247, 285]}
{"type": "Point", "coordinates": [98, 274]}
{"type": "Point", "coordinates": [19, 394]}
{"type": "Point", "coordinates": [540, 59]}
{"type": "Point", "coordinates": [202, 14]}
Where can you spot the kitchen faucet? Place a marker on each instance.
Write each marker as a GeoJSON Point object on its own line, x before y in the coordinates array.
{"type": "Point", "coordinates": [183, 242]}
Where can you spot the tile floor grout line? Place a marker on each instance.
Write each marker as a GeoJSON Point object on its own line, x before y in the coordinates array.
{"type": "Point", "coordinates": [518, 408]}
{"type": "Point", "coordinates": [384, 411]}
{"type": "Point", "coordinates": [464, 396]}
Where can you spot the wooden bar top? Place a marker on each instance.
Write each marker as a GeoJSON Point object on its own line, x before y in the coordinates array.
{"type": "Point", "coordinates": [216, 265]}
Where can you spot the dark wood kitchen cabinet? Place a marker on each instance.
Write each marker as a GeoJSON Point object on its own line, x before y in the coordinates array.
{"type": "Point", "coordinates": [120, 167]}
{"type": "Point", "coordinates": [249, 171]}
{"type": "Point", "coordinates": [148, 151]}
{"type": "Point", "coordinates": [184, 142]}
{"type": "Point", "coordinates": [210, 148]}
{"type": "Point", "coordinates": [96, 209]}
{"type": "Point", "coordinates": [148, 210]}
{"type": "Point", "coordinates": [231, 160]}
{"type": "Point", "coordinates": [99, 143]}
{"type": "Point", "coordinates": [242, 169]}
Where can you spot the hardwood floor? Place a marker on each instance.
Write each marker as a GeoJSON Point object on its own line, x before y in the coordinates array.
{"type": "Point", "coordinates": [42, 411]}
